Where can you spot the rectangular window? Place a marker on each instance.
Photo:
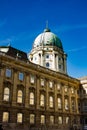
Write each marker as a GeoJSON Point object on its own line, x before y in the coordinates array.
{"type": "Point", "coordinates": [32, 118]}
{"type": "Point", "coordinates": [59, 103]}
{"type": "Point", "coordinates": [19, 118]}
{"type": "Point", "coordinates": [21, 76]}
{"type": "Point", "coordinates": [51, 119]}
{"type": "Point", "coordinates": [73, 104]}
{"type": "Point", "coordinates": [60, 120]}
{"type": "Point", "coordinates": [8, 73]}
{"type": "Point", "coordinates": [51, 102]}
{"type": "Point", "coordinates": [67, 120]}
{"type": "Point", "coordinates": [66, 104]}
{"type": "Point", "coordinates": [50, 84]}
{"type": "Point", "coordinates": [5, 117]}
{"type": "Point", "coordinates": [42, 82]}
{"type": "Point", "coordinates": [6, 95]}
{"type": "Point", "coordinates": [42, 119]}
{"type": "Point", "coordinates": [58, 86]}
{"type": "Point", "coordinates": [32, 79]}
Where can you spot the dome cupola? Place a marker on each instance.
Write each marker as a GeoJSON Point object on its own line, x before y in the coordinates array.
{"type": "Point", "coordinates": [47, 38]}
{"type": "Point", "coordinates": [48, 52]}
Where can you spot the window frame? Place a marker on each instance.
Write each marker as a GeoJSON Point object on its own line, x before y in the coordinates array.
{"type": "Point", "coordinates": [8, 72]}
{"type": "Point", "coordinates": [31, 98]}
{"type": "Point", "coordinates": [6, 95]}
{"type": "Point", "coordinates": [21, 76]}
{"type": "Point", "coordinates": [18, 118]}
{"type": "Point", "coordinates": [19, 97]}
{"type": "Point", "coordinates": [7, 118]}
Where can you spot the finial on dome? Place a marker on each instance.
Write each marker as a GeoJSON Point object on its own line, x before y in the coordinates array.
{"type": "Point", "coordinates": [47, 29]}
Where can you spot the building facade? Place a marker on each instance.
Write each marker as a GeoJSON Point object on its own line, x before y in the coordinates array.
{"type": "Point", "coordinates": [36, 93]}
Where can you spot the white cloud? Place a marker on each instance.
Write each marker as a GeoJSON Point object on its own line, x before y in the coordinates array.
{"type": "Point", "coordinates": [64, 28]}
{"type": "Point", "coordinates": [77, 49]}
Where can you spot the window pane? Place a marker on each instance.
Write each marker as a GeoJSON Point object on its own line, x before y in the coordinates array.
{"type": "Point", "coordinates": [5, 116]}
{"type": "Point", "coordinates": [59, 103]}
{"type": "Point", "coordinates": [42, 82]}
{"type": "Point", "coordinates": [6, 94]}
{"type": "Point", "coordinates": [32, 118]}
{"type": "Point", "coordinates": [50, 84]}
{"type": "Point", "coordinates": [42, 119]}
{"type": "Point", "coordinates": [67, 120]}
{"type": "Point", "coordinates": [47, 64]}
{"type": "Point", "coordinates": [19, 117]}
{"type": "Point", "coordinates": [51, 101]}
{"type": "Point", "coordinates": [73, 104]}
{"type": "Point", "coordinates": [8, 72]}
{"type": "Point", "coordinates": [20, 96]}
{"type": "Point", "coordinates": [41, 100]}
{"type": "Point", "coordinates": [52, 119]}
{"type": "Point", "coordinates": [32, 78]}
{"type": "Point", "coordinates": [21, 76]}
{"type": "Point", "coordinates": [66, 104]}
{"type": "Point", "coordinates": [31, 98]}
{"type": "Point", "coordinates": [59, 120]}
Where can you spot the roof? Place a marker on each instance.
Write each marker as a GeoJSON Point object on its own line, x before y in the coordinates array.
{"type": "Point", "coordinates": [13, 52]}
{"type": "Point", "coordinates": [47, 38]}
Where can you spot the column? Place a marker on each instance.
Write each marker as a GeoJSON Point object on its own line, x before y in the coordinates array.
{"type": "Point", "coordinates": [65, 64]}
{"type": "Point", "coordinates": [42, 59]}
{"type": "Point", "coordinates": [14, 88]}
{"type": "Point", "coordinates": [54, 67]}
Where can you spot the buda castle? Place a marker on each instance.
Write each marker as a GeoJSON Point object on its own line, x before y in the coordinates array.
{"type": "Point", "coordinates": [36, 92]}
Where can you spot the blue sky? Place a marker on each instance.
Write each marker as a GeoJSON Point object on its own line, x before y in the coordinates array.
{"type": "Point", "coordinates": [22, 20]}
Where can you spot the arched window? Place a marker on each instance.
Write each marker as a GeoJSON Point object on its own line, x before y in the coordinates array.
{"type": "Point", "coordinates": [31, 98]}
{"type": "Point", "coordinates": [51, 101]}
{"type": "Point", "coordinates": [59, 103]}
{"type": "Point", "coordinates": [73, 104]}
{"type": "Point", "coordinates": [5, 117]}
{"type": "Point", "coordinates": [42, 100]}
{"type": "Point", "coordinates": [47, 65]}
{"type": "Point", "coordinates": [6, 94]}
{"type": "Point", "coordinates": [19, 117]}
{"type": "Point", "coordinates": [66, 104]}
{"type": "Point", "coordinates": [20, 96]}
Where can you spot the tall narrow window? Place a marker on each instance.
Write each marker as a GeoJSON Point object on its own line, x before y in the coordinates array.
{"type": "Point", "coordinates": [32, 118]}
{"type": "Point", "coordinates": [31, 98]}
{"type": "Point", "coordinates": [32, 79]}
{"type": "Point", "coordinates": [21, 76]}
{"type": "Point", "coordinates": [50, 84]}
{"type": "Point", "coordinates": [51, 119]}
{"type": "Point", "coordinates": [72, 90]}
{"type": "Point", "coordinates": [59, 103]}
{"type": "Point", "coordinates": [58, 86]}
{"type": "Point", "coordinates": [6, 94]}
{"type": "Point", "coordinates": [60, 120]}
{"type": "Point", "coordinates": [73, 104]}
{"type": "Point", "coordinates": [20, 96]}
{"type": "Point", "coordinates": [42, 119]}
{"type": "Point", "coordinates": [47, 65]}
{"type": "Point", "coordinates": [8, 73]}
{"type": "Point", "coordinates": [19, 118]}
{"type": "Point", "coordinates": [5, 117]}
{"type": "Point", "coordinates": [66, 104]}
{"type": "Point", "coordinates": [67, 120]}
{"type": "Point", "coordinates": [42, 82]}
{"type": "Point", "coordinates": [42, 100]}
{"type": "Point", "coordinates": [51, 102]}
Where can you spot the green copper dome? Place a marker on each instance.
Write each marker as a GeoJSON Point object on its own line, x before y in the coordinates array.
{"type": "Point", "coordinates": [47, 38]}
